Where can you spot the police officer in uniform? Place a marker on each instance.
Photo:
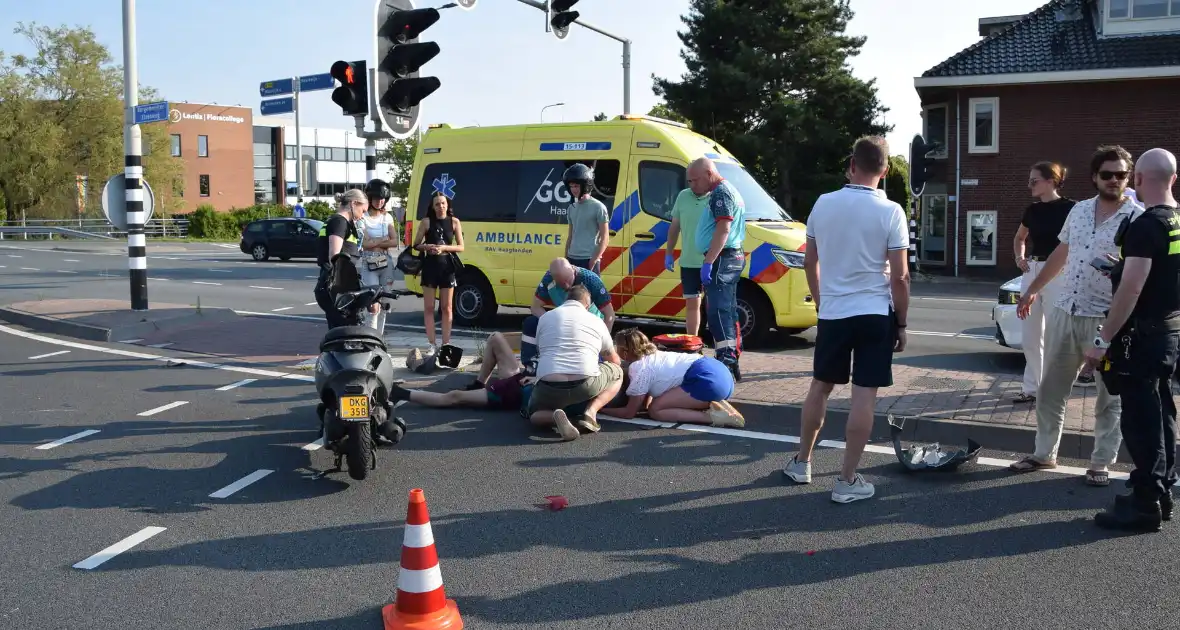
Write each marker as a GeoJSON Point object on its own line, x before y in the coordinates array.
{"type": "Point", "coordinates": [338, 235]}
{"type": "Point", "coordinates": [1137, 345]}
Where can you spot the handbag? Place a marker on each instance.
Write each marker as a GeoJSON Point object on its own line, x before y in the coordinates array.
{"type": "Point", "coordinates": [456, 263]}
{"type": "Point", "coordinates": [376, 262]}
{"type": "Point", "coordinates": [409, 263]}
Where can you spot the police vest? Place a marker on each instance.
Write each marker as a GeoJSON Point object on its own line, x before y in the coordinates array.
{"type": "Point", "coordinates": [351, 243]}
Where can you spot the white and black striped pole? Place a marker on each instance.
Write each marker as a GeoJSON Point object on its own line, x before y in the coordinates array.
{"type": "Point", "coordinates": [133, 167]}
{"type": "Point", "coordinates": [370, 159]}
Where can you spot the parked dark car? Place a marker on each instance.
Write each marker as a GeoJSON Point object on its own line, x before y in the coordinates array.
{"type": "Point", "coordinates": [281, 238]}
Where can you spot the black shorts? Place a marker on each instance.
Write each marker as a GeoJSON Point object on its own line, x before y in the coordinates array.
{"type": "Point", "coordinates": [860, 346]}
{"type": "Point", "coordinates": [437, 273]}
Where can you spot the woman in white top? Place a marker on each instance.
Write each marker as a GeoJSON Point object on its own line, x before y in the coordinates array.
{"type": "Point", "coordinates": [674, 386]}
{"type": "Point", "coordinates": [377, 231]}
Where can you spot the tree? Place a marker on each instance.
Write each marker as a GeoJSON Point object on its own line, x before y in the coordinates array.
{"type": "Point", "coordinates": [770, 80]}
{"type": "Point", "coordinates": [599, 117]}
{"type": "Point", "coordinates": [400, 154]}
{"type": "Point", "coordinates": [61, 116]}
{"type": "Point", "coordinates": [897, 182]}
{"type": "Point", "coordinates": [661, 110]}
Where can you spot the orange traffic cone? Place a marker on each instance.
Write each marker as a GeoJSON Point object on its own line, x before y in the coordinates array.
{"type": "Point", "coordinates": [421, 602]}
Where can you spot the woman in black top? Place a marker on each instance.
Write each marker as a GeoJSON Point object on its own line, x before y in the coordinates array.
{"type": "Point", "coordinates": [440, 238]}
{"type": "Point", "coordinates": [1041, 224]}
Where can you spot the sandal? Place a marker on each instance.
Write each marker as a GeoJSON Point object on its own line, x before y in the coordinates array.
{"type": "Point", "coordinates": [1029, 464]}
{"type": "Point", "coordinates": [1024, 398]}
{"type": "Point", "coordinates": [1098, 478]}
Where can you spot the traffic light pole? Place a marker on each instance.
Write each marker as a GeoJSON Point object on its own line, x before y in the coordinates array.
{"type": "Point", "coordinates": [626, 51]}
{"type": "Point", "coordinates": [298, 145]}
{"type": "Point", "coordinates": [133, 166]}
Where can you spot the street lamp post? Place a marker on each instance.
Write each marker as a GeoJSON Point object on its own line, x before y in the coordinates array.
{"type": "Point", "coordinates": [547, 107]}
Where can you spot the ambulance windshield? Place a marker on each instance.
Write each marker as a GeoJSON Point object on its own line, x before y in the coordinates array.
{"type": "Point", "coordinates": [760, 206]}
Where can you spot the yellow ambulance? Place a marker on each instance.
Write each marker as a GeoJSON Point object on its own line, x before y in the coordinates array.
{"type": "Point", "coordinates": [505, 185]}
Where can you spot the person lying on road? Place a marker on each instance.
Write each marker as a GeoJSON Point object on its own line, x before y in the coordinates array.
{"type": "Point", "coordinates": [674, 386]}
{"type": "Point", "coordinates": [503, 393]}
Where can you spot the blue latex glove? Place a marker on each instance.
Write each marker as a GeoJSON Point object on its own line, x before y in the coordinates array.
{"type": "Point", "coordinates": [669, 262]}
{"type": "Point", "coordinates": [707, 273]}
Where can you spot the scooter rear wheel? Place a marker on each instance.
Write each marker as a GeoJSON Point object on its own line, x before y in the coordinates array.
{"type": "Point", "coordinates": [359, 450]}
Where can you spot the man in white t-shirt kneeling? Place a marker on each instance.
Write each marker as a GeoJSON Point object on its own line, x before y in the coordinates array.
{"type": "Point", "coordinates": [857, 271]}
{"type": "Point", "coordinates": [578, 370]}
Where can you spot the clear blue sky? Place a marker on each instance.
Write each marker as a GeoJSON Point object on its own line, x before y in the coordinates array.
{"type": "Point", "coordinates": [497, 65]}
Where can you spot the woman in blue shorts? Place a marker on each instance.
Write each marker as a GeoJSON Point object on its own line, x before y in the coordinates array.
{"type": "Point", "coordinates": [674, 386]}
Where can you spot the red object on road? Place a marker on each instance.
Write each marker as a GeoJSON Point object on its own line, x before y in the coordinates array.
{"type": "Point", "coordinates": [557, 502]}
{"type": "Point", "coordinates": [690, 344]}
{"type": "Point", "coordinates": [421, 602]}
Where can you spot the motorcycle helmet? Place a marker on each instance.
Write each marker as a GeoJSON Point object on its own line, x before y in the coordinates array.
{"type": "Point", "coordinates": [378, 189]}
{"type": "Point", "coordinates": [579, 174]}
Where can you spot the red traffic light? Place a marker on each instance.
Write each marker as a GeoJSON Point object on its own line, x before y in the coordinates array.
{"type": "Point", "coordinates": [343, 72]}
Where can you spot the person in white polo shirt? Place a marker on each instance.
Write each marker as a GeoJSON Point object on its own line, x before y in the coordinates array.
{"type": "Point", "coordinates": [857, 271]}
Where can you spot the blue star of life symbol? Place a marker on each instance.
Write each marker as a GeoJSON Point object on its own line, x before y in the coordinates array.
{"type": "Point", "coordinates": [445, 185]}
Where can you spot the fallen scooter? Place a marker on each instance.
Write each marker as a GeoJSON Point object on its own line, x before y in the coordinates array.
{"type": "Point", "coordinates": [353, 376]}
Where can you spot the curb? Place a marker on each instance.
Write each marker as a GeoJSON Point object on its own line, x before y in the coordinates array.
{"type": "Point", "coordinates": [88, 332]}
{"type": "Point", "coordinates": [924, 429]}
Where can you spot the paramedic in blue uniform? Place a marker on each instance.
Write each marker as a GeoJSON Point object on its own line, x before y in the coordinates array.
{"type": "Point", "coordinates": [720, 235]}
{"type": "Point", "coordinates": [561, 277]}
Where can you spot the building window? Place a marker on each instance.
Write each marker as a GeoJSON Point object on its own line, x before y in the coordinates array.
{"type": "Point", "coordinates": [1142, 9]}
{"type": "Point", "coordinates": [357, 155]}
{"type": "Point", "coordinates": [984, 132]}
{"type": "Point", "coordinates": [175, 145]}
{"type": "Point", "coordinates": [202, 146]}
{"type": "Point", "coordinates": [339, 155]}
{"type": "Point", "coordinates": [323, 153]}
{"type": "Point", "coordinates": [289, 152]}
{"type": "Point", "coordinates": [981, 237]}
{"type": "Point", "coordinates": [935, 128]}
{"type": "Point", "coordinates": [204, 185]}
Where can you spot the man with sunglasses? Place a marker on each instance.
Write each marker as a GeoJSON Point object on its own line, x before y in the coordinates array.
{"type": "Point", "coordinates": [1082, 301]}
{"type": "Point", "coordinates": [1138, 343]}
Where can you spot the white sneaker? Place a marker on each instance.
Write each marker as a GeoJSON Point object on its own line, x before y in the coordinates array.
{"type": "Point", "coordinates": [858, 490]}
{"type": "Point", "coordinates": [797, 471]}
{"type": "Point", "coordinates": [561, 424]}
{"type": "Point", "coordinates": [430, 351]}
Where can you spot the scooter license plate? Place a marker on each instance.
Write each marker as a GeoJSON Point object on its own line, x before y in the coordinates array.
{"type": "Point", "coordinates": [354, 407]}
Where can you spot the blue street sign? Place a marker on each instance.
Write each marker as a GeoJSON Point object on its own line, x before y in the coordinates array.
{"type": "Point", "coordinates": [284, 105]}
{"type": "Point", "coordinates": [276, 88]}
{"type": "Point", "coordinates": [152, 112]}
{"type": "Point", "coordinates": [313, 82]}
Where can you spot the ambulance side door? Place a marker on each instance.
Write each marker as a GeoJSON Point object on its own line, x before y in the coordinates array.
{"type": "Point", "coordinates": [655, 291]}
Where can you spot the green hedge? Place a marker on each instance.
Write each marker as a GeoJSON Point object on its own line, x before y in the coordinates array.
{"type": "Point", "coordinates": [205, 222]}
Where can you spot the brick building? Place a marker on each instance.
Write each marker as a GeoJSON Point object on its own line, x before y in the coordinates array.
{"type": "Point", "coordinates": [215, 142]}
{"type": "Point", "coordinates": [1050, 85]}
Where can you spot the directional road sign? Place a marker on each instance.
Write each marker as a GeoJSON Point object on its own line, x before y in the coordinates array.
{"type": "Point", "coordinates": [276, 88]}
{"type": "Point", "coordinates": [114, 201]}
{"type": "Point", "coordinates": [313, 82]}
{"type": "Point", "coordinates": [151, 112]}
{"type": "Point", "coordinates": [284, 105]}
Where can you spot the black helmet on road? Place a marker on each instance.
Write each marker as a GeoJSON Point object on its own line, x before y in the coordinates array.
{"type": "Point", "coordinates": [378, 189]}
{"type": "Point", "coordinates": [579, 174]}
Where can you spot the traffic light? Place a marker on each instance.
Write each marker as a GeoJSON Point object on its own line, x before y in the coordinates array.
{"type": "Point", "coordinates": [399, 57]}
{"type": "Point", "coordinates": [560, 16]}
{"type": "Point", "coordinates": [353, 94]}
{"type": "Point", "coordinates": [920, 164]}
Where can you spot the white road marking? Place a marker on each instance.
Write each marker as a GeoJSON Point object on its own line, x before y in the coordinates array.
{"type": "Point", "coordinates": [312, 304]}
{"type": "Point", "coordinates": [160, 279]}
{"type": "Point", "coordinates": [934, 299]}
{"type": "Point", "coordinates": [226, 388]}
{"type": "Point", "coordinates": [119, 547]}
{"type": "Point", "coordinates": [219, 270]}
{"type": "Point", "coordinates": [67, 439]}
{"type": "Point", "coordinates": [29, 269]}
{"type": "Point", "coordinates": [14, 256]}
{"type": "Point", "coordinates": [171, 405]}
{"type": "Point", "coordinates": [268, 288]}
{"type": "Point", "coordinates": [130, 341]}
{"type": "Point", "coordinates": [160, 345]}
{"type": "Point", "coordinates": [241, 483]}
{"type": "Point", "coordinates": [70, 260]}
{"type": "Point", "coordinates": [314, 446]}
{"type": "Point", "coordinates": [3, 267]}
{"type": "Point", "coordinates": [50, 354]}
{"type": "Point", "coordinates": [285, 308]}
{"type": "Point", "coordinates": [312, 277]}
{"type": "Point", "coordinates": [65, 271]}
{"type": "Point", "coordinates": [212, 284]}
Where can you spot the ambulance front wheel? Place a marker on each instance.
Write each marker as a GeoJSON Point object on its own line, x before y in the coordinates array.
{"type": "Point", "coordinates": [474, 302]}
{"type": "Point", "coordinates": [755, 314]}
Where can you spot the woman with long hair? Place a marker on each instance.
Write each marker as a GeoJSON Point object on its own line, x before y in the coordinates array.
{"type": "Point", "coordinates": [337, 236]}
{"type": "Point", "coordinates": [378, 236]}
{"type": "Point", "coordinates": [440, 239]}
{"type": "Point", "coordinates": [1042, 222]}
{"type": "Point", "coordinates": [674, 386]}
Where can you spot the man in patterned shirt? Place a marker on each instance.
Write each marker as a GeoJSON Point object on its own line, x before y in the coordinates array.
{"type": "Point", "coordinates": [720, 233]}
{"type": "Point", "coordinates": [562, 276]}
{"type": "Point", "coordinates": [1084, 299]}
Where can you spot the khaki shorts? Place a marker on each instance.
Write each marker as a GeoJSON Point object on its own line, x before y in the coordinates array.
{"type": "Point", "coordinates": [572, 396]}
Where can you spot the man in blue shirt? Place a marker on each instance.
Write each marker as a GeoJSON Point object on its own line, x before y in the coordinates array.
{"type": "Point", "coordinates": [562, 275]}
{"type": "Point", "coordinates": [720, 234]}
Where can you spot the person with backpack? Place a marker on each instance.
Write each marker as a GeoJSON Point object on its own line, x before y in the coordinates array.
{"type": "Point", "coordinates": [338, 236]}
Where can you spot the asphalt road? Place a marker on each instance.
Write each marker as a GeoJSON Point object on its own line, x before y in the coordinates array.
{"type": "Point", "coordinates": [950, 326]}
{"type": "Point", "coordinates": [664, 529]}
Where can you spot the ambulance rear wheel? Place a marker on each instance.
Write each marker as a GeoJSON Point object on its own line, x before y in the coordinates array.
{"type": "Point", "coordinates": [755, 315]}
{"type": "Point", "coordinates": [474, 302]}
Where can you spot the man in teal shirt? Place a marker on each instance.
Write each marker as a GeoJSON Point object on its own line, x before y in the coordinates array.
{"type": "Point", "coordinates": [720, 235]}
{"type": "Point", "coordinates": [686, 214]}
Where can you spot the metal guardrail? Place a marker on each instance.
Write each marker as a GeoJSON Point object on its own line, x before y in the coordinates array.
{"type": "Point", "coordinates": [89, 228]}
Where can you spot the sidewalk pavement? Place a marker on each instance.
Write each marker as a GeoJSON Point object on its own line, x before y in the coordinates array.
{"type": "Point", "coordinates": [961, 404]}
